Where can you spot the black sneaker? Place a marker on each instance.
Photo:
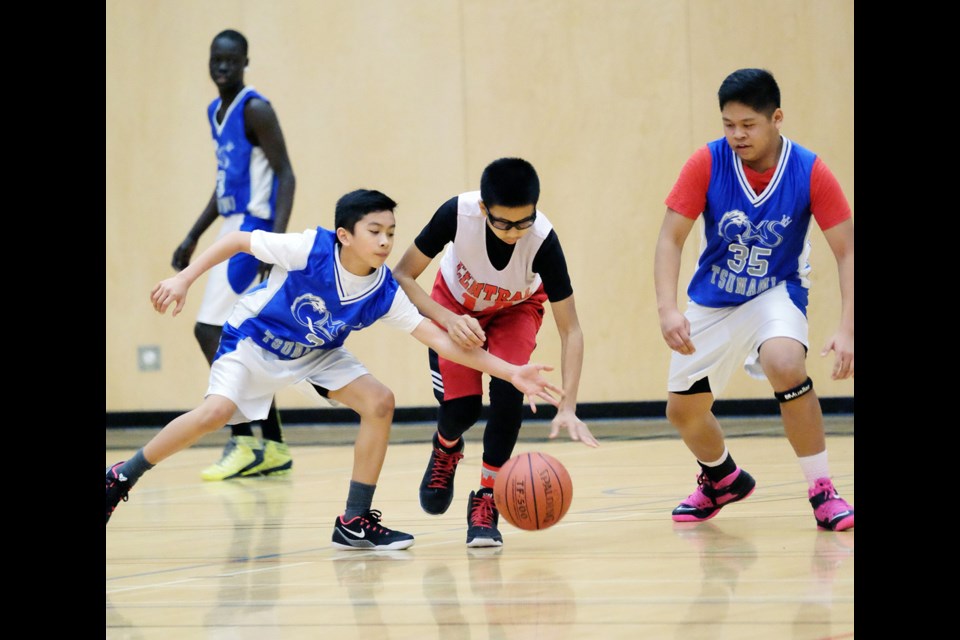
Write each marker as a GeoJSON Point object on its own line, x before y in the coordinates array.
{"type": "Point", "coordinates": [366, 532]}
{"type": "Point", "coordinates": [118, 486]}
{"type": "Point", "coordinates": [482, 519]}
{"type": "Point", "coordinates": [436, 488]}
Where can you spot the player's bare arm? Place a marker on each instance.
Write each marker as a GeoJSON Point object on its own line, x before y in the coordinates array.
{"type": "Point", "coordinates": [840, 239]}
{"type": "Point", "coordinates": [464, 330]}
{"type": "Point", "coordinates": [525, 378]}
{"type": "Point", "coordinates": [183, 253]}
{"type": "Point", "coordinates": [674, 326]}
{"type": "Point", "coordinates": [571, 367]}
{"type": "Point", "coordinates": [173, 290]}
{"type": "Point", "coordinates": [263, 129]}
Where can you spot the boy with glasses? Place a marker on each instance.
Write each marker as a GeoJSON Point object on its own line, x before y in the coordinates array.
{"type": "Point", "coordinates": [503, 261]}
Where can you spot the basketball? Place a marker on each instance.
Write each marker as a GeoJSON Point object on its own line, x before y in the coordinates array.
{"type": "Point", "coordinates": [533, 491]}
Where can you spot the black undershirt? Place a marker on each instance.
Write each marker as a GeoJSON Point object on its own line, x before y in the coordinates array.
{"type": "Point", "coordinates": [549, 262]}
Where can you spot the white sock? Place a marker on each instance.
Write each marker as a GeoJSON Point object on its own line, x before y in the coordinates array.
{"type": "Point", "coordinates": [815, 467]}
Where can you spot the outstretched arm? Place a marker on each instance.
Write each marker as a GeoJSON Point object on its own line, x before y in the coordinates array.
{"type": "Point", "coordinates": [463, 329]}
{"type": "Point", "coordinates": [666, 274]}
{"type": "Point", "coordinates": [840, 239]}
{"type": "Point", "coordinates": [571, 365]}
{"type": "Point", "coordinates": [174, 289]}
{"type": "Point", "coordinates": [526, 378]}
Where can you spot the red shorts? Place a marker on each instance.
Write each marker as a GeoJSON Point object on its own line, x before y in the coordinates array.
{"type": "Point", "coordinates": [511, 336]}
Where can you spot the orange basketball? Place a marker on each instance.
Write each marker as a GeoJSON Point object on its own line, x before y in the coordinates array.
{"type": "Point", "coordinates": [533, 491]}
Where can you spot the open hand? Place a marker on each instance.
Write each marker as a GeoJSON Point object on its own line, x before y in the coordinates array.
{"type": "Point", "coordinates": [532, 384]}
{"type": "Point", "coordinates": [577, 428]}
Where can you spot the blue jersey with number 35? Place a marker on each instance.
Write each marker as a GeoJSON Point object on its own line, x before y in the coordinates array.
{"type": "Point", "coordinates": [754, 241]}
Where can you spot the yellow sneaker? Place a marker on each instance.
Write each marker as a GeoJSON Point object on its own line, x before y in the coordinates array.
{"type": "Point", "coordinates": [276, 460]}
{"type": "Point", "coordinates": [239, 458]}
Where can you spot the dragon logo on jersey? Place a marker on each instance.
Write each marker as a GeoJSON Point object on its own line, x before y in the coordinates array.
{"type": "Point", "coordinates": [311, 311]}
{"type": "Point", "coordinates": [735, 226]}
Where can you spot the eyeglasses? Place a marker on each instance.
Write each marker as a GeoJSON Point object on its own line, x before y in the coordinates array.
{"type": "Point", "coordinates": [506, 225]}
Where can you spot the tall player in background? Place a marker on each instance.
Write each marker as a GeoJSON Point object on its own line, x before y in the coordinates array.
{"type": "Point", "coordinates": [503, 262]}
{"type": "Point", "coordinates": [758, 193]}
{"type": "Point", "coordinates": [254, 190]}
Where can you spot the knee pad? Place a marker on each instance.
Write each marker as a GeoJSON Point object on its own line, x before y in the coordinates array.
{"type": "Point", "coordinates": [792, 394]}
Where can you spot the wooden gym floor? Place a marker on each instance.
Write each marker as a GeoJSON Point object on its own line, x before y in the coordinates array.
{"type": "Point", "coordinates": [251, 558]}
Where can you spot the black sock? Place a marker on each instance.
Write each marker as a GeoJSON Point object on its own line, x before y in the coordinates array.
{"type": "Point", "coordinates": [721, 471]}
{"type": "Point", "coordinates": [271, 427]}
{"type": "Point", "coordinates": [359, 500]}
{"type": "Point", "coordinates": [242, 429]}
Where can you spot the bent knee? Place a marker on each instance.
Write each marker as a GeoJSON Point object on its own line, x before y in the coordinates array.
{"type": "Point", "coordinates": [215, 412]}
{"type": "Point", "coordinates": [783, 361]}
{"type": "Point", "coordinates": [683, 410]}
{"type": "Point", "coordinates": [380, 403]}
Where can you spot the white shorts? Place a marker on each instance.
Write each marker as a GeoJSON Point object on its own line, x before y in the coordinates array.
{"type": "Point", "coordinates": [726, 338]}
{"type": "Point", "coordinates": [250, 376]}
{"type": "Point", "coordinates": [220, 294]}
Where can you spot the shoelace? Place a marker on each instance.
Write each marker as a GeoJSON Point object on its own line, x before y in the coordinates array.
{"type": "Point", "coordinates": [481, 515]}
{"type": "Point", "coordinates": [444, 465]}
{"type": "Point", "coordinates": [706, 490]}
{"type": "Point", "coordinates": [371, 520]}
{"type": "Point", "coordinates": [828, 493]}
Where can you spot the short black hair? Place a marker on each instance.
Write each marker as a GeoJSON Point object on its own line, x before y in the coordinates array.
{"type": "Point", "coordinates": [755, 88]}
{"type": "Point", "coordinates": [236, 36]}
{"type": "Point", "coordinates": [353, 206]}
{"type": "Point", "coordinates": [509, 182]}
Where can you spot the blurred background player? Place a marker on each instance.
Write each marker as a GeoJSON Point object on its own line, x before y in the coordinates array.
{"type": "Point", "coordinates": [758, 193]}
{"type": "Point", "coordinates": [254, 190]}
{"type": "Point", "coordinates": [503, 262]}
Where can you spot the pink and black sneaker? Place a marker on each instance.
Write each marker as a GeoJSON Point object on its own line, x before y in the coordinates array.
{"type": "Point", "coordinates": [832, 512]}
{"type": "Point", "coordinates": [710, 497]}
{"type": "Point", "coordinates": [118, 486]}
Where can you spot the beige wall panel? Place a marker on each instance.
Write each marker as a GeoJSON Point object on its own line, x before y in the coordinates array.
{"type": "Point", "coordinates": [582, 97]}
{"type": "Point", "coordinates": [368, 95]}
{"type": "Point", "coordinates": [808, 46]}
{"type": "Point", "coordinates": [607, 98]}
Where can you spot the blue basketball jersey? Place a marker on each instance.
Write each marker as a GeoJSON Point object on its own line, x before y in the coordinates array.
{"type": "Point", "coordinates": [297, 311]}
{"type": "Point", "coordinates": [245, 181]}
{"type": "Point", "coordinates": [754, 241]}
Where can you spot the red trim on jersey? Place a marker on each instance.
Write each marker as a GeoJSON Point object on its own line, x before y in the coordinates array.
{"type": "Point", "coordinates": [689, 194]}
